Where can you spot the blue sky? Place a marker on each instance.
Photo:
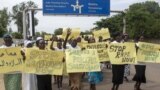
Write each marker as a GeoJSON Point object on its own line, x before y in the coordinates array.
{"type": "Point", "coordinates": [49, 23]}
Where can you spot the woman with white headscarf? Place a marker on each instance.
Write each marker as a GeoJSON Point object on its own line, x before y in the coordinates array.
{"type": "Point", "coordinates": [29, 81]}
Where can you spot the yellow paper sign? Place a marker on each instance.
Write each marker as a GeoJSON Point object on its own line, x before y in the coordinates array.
{"type": "Point", "coordinates": [47, 37]}
{"type": "Point", "coordinates": [75, 32]}
{"type": "Point", "coordinates": [101, 49]}
{"type": "Point", "coordinates": [104, 32]}
{"type": "Point", "coordinates": [10, 60]}
{"type": "Point", "coordinates": [81, 44]}
{"type": "Point", "coordinates": [148, 52]}
{"type": "Point", "coordinates": [44, 62]}
{"type": "Point", "coordinates": [122, 53]}
{"type": "Point", "coordinates": [82, 61]}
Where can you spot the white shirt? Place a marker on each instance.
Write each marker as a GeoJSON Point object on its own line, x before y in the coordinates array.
{"type": "Point", "coordinates": [4, 46]}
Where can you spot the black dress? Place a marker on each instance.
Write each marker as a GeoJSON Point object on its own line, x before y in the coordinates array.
{"type": "Point", "coordinates": [118, 74]}
{"type": "Point", "coordinates": [140, 73]}
{"type": "Point", "coordinates": [44, 82]}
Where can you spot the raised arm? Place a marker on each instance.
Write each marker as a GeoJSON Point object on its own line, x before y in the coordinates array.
{"type": "Point", "coordinates": [51, 46]}
{"type": "Point", "coordinates": [66, 39]}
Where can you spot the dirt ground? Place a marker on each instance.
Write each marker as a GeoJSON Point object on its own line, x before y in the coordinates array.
{"type": "Point", "coordinates": [152, 75]}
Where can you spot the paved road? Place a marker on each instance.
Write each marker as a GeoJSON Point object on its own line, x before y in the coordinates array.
{"type": "Point", "coordinates": [152, 74]}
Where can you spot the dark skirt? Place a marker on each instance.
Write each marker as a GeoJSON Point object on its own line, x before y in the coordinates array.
{"type": "Point", "coordinates": [140, 73]}
{"type": "Point", "coordinates": [44, 82]}
{"type": "Point", "coordinates": [118, 74]}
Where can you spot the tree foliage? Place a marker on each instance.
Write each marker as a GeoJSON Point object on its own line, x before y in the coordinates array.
{"type": "Point", "coordinates": [4, 21]}
{"type": "Point", "coordinates": [141, 18]}
{"type": "Point", "coordinates": [58, 31]}
{"type": "Point", "coordinates": [17, 35]}
{"type": "Point", "coordinates": [17, 13]}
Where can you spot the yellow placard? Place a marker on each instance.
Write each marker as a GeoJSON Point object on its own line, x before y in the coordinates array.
{"type": "Point", "coordinates": [75, 32]}
{"type": "Point", "coordinates": [148, 52]}
{"type": "Point", "coordinates": [44, 62]}
{"type": "Point", "coordinates": [104, 32]}
{"type": "Point", "coordinates": [11, 60]}
{"type": "Point", "coordinates": [102, 49]}
{"type": "Point", "coordinates": [47, 37]}
{"type": "Point", "coordinates": [122, 53]}
{"type": "Point", "coordinates": [81, 44]}
{"type": "Point", "coordinates": [148, 46]}
{"type": "Point", "coordinates": [82, 61]}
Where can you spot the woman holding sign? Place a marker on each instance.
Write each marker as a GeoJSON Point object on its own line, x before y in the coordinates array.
{"type": "Point", "coordinates": [44, 81]}
{"type": "Point", "coordinates": [140, 69]}
{"type": "Point", "coordinates": [11, 81]}
{"type": "Point", "coordinates": [74, 78]}
{"type": "Point", "coordinates": [29, 81]}
{"type": "Point", "coordinates": [94, 77]}
{"type": "Point", "coordinates": [117, 70]}
{"type": "Point", "coordinates": [58, 78]}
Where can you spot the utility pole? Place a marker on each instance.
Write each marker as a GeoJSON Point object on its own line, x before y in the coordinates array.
{"type": "Point", "coordinates": [33, 26]}
{"type": "Point", "coordinates": [24, 24]}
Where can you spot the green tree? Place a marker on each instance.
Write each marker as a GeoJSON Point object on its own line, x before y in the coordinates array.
{"type": "Point", "coordinates": [17, 35]}
{"type": "Point", "coordinates": [58, 31]}
{"type": "Point", "coordinates": [142, 19]}
{"type": "Point", "coordinates": [114, 23]}
{"type": "Point", "coordinates": [17, 14]}
{"type": "Point", "coordinates": [4, 21]}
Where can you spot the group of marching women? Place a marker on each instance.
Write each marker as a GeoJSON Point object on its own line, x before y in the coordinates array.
{"type": "Point", "coordinates": [18, 81]}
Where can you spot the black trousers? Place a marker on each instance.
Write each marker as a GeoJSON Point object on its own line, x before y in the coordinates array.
{"type": "Point", "coordinates": [44, 82]}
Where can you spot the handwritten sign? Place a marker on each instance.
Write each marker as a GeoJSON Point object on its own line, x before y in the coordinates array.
{"type": "Point", "coordinates": [104, 32]}
{"type": "Point", "coordinates": [10, 60]}
{"type": "Point", "coordinates": [148, 52]}
{"type": "Point", "coordinates": [122, 53]}
{"type": "Point", "coordinates": [101, 49]}
{"type": "Point", "coordinates": [44, 62]}
{"type": "Point", "coordinates": [75, 32]}
{"type": "Point", "coordinates": [81, 44]}
{"type": "Point", "coordinates": [47, 37]}
{"type": "Point", "coordinates": [82, 61]}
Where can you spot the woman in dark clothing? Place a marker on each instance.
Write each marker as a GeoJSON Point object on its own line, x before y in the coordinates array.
{"type": "Point", "coordinates": [140, 69]}
{"type": "Point", "coordinates": [44, 81]}
{"type": "Point", "coordinates": [117, 70]}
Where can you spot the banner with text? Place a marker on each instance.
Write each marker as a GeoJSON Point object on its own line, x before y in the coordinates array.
{"type": "Point", "coordinates": [102, 49]}
{"type": "Point", "coordinates": [82, 61]}
{"type": "Point", "coordinates": [44, 62]}
{"type": "Point", "coordinates": [148, 52]}
{"type": "Point", "coordinates": [122, 53]}
{"type": "Point", "coordinates": [11, 60]}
